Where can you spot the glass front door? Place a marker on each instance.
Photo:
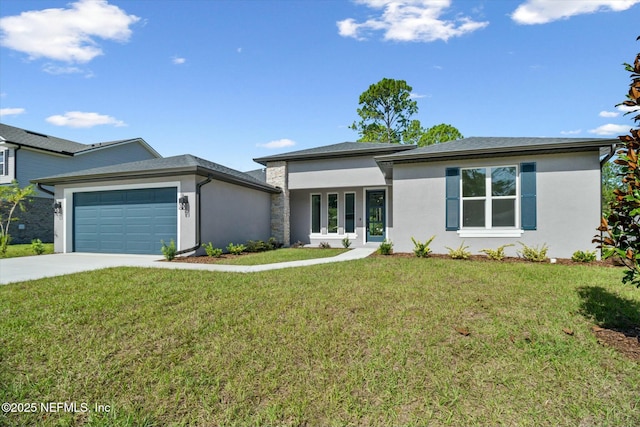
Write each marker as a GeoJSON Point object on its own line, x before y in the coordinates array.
{"type": "Point", "coordinates": [375, 215]}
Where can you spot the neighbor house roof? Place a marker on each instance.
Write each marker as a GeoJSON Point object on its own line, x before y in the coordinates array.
{"type": "Point", "coordinates": [497, 146]}
{"type": "Point", "coordinates": [344, 149]}
{"type": "Point", "coordinates": [40, 141]}
{"type": "Point", "coordinates": [160, 167]}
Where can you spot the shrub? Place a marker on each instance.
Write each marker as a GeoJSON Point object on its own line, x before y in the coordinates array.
{"type": "Point", "coordinates": [297, 245]}
{"type": "Point", "coordinates": [533, 253]}
{"type": "Point", "coordinates": [421, 250]}
{"type": "Point", "coordinates": [256, 246]}
{"type": "Point", "coordinates": [272, 243]}
{"type": "Point", "coordinates": [236, 249]}
{"type": "Point", "coordinates": [346, 243]}
{"type": "Point", "coordinates": [169, 251]}
{"type": "Point", "coordinates": [496, 254]}
{"type": "Point", "coordinates": [37, 246]}
{"type": "Point", "coordinates": [324, 245]}
{"type": "Point", "coordinates": [386, 247]}
{"type": "Point", "coordinates": [460, 253]}
{"type": "Point", "coordinates": [211, 251]}
{"type": "Point", "coordinates": [583, 256]}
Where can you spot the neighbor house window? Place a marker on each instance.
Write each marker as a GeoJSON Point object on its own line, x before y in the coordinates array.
{"type": "Point", "coordinates": [489, 197]}
{"type": "Point", "coordinates": [4, 168]}
{"type": "Point", "coordinates": [315, 213]}
{"type": "Point", "coordinates": [349, 213]}
{"type": "Point", "coordinates": [332, 213]}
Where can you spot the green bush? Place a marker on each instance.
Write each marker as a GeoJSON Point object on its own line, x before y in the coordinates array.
{"type": "Point", "coordinates": [386, 247]}
{"type": "Point", "coordinates": [37, 246]}
{"type": "Point", "coordinates": [256, 246]}
{"type": "Point", "coordinates": [236, 249]}
{"type": "Point", "coordinates": [496, 254]}
{"type": "Point", "coordinates": [460, 253]}
{"type": "Point", "coordinates": [211, 251]}
{"type": "Point", "coordinates": [583, 256]}
{"type": "Point", "coordinates": [346, 243]}
{"type": "Point", "coordinates": [422, 250]}
{"type": "Point", "coordinates": [534, 253]}
{"type": "Point", "coordinates": [169, 251]}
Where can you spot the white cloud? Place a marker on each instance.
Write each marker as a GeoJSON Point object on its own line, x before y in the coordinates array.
{"type": "Point", "coordinates": [571, 132]}
{"type": "Point", "coordinates": [79, 119]}
{"type": "Point", "coordinates": [177, 60]}
{"type": "Point", "coordinates": [611, 129]}
{"type": "Point", "coordinates": [409, 20]}
{"type": "Point", "coordinates": [239, 50]}
{"type": "Point", "coordinates": [11, 111]}
{"type": "Point", "coordinates": [608, 114]}
{"type": "Point", "coordinates": [543, 11]}
{"type": "Point", "coordinates": [414, 95]}
{"type": "Point", "coordinates": [279, 143]}
{"type": "Point", "coordinates": [66, 34]}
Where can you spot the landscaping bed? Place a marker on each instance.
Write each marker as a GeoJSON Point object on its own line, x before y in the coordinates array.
{"type": "Point", "coordinates": [267, 257]}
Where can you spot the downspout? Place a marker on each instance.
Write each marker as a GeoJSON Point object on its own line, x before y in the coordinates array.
{"type": "Point", "coordinates": [199, 185]}
{"type": "Point", "coordinates": [44, 190]}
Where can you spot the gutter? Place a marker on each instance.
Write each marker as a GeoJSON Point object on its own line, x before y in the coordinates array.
{"type": "Point", "coordinates": [199, 186]}
{"type": "Point", "coordinates": [44, 190]}
{"type": "Point", "coordinates": [612, 151]}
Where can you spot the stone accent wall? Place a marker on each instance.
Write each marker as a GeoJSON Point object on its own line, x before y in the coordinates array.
{"type": "Point", "coordinates": [36, 222]}
{"type": "Point", "coordinates": [280, 211]}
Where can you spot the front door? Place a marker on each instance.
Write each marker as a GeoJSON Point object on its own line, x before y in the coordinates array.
{"type": "Point", "coordinates": [375, 215]}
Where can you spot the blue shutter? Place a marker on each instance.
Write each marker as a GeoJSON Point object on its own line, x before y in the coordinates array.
{"type": "Point", "coordinates": [453, 199]}
{"type": "Point", "coordinates": [528, 217]}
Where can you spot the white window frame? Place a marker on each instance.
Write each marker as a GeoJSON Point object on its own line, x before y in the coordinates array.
{"type": "Point", "coordinates": [7, 166]}
{"type": "Point", "coordinates": [488, 230]}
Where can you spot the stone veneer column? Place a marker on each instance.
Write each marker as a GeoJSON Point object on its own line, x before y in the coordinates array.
{"type": "Point", "coordinates": [280, 213]}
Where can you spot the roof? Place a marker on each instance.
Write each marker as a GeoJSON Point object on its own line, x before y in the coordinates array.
{"type": "Point", "coordinates": [160, 167]}
{"type": "Point", "coordinates": [40, 141]}
{"type": "Point", "coordinates": [494, 146]}
{"type": "Point", "coordinates": [344, 149]}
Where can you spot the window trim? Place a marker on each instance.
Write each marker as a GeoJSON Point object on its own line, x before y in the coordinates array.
{"type": "Point", "coordinates": [311, 232]}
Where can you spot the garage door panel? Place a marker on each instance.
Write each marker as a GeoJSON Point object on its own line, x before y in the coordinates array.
{"type": "Point", "coordinates": [125, 221]}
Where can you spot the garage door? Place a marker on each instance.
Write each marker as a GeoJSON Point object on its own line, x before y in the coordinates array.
{"type": "Point", "coordinates": [124, 221]}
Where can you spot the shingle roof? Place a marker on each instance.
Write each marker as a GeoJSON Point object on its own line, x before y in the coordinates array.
{"type": "Point", "coordinates": [167, 166]}
{"type": "Point", "coordinates": [493, 146]}
{"type": "Point", "coordinates": [344, 149]}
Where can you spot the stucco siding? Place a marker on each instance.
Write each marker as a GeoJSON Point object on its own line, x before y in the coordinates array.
{"type": "Point", "coordinates": [334, 173]}
{"type": "Point", "coordinates": [567, 197]}
{"type": "Point", "coordinates": [234, 214]}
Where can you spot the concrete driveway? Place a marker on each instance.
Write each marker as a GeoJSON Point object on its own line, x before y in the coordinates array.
{"type": "Point", "coordinates": [37, 267]}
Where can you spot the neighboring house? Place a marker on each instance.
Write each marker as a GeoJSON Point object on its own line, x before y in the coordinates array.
{"type": "Point", "coordinates": [25, 155]}
{"type": "Point", "coordinates": [132, 207]}
{"type": "Point", "coordinates": [484, 192]}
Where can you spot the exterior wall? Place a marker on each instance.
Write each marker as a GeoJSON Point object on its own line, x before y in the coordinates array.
{"type": "Point", "coordinates": [36, 222]}
{"type": "Point", "coordinates": [276, 175]}
{"type": "Point", "coordinates": [234, 214]}
{"type": "Point", "coordinates": [568, 204]}
{"type": "Point", "coordinates": [335, 173]}
{"type": "Point", "coordinates": [63, 223]}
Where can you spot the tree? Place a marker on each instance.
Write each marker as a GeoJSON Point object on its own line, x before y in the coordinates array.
{"type": "Point", "coordinates": [385, 110]}
{"type": "Point", "coordinates": [620, 230]}
{"type": "Point", "coordinates": [11, 197]}
{"type": "Point", "coordinates": [440, 133]}
{"type": "Point", "coordinates": [610, 182]}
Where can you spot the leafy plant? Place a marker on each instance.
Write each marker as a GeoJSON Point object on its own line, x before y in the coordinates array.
{"type": "Point", "coordinates": [324, 245]}
{"type": "Point", "coordinates": [386, 247]}
{"type": "Point", "coordinates": [534, 253]}
{"type": "Point", "coordinates": [620, 230]}
{"type": "Point", "coordinates": [583, 256]}
{"type": "Point", "coordinates": [496, 254]}
{"type": "Point", "coordinates": [459, 253]}
{"type": "Point", "coordinates": [256, 246]}
{"type": "Point", "coordinates": [273, 243]}
{"type": "Point", "coordinates": [236, 249]}
{"type": "Point", "coordinates": [422, 250]}
{"type": "Point", "coordinates": [211, 251]}
{"type": "Point", "coordinates": [37, 246]}
{"type": "Point", "coordinates": [12, 197]}
{"type": "Point", "coordinates": [169, 251]}
{"type": "Point", "coordinates": [346, 243]}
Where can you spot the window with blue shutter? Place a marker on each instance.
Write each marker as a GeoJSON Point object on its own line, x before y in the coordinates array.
{"type": "Point", "coordinates": [453, 199]}
{"type": "Point", "coordinates": [528, 216]}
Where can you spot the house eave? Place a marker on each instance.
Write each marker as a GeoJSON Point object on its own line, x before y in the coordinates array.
{"type": "Point", "coordinates": [332, 155]}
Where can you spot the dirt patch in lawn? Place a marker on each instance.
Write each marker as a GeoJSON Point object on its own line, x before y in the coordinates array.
{"type": "Point", "coordinates": [625, 341]}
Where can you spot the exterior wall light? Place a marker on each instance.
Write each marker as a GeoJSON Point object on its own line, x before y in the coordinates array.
{"type": "Point", "coordinates": [183, 203]}
{"type": "Point", "coordinates": [57, 208]}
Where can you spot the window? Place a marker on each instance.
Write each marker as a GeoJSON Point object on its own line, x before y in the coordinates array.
{"type": "Point", "coordinates": [332, 213]}
{"type": "Point", "coordinates": [349, 213]}
{"type": "Point", "coordinates": [4, 168]}
{"type": "Point", "coordinates": [489, 197]}
{"type": "Point", "coordinates": [315, 213]}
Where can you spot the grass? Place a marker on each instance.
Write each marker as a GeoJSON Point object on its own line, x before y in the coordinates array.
{"type": "Point", "coordinates": [280, 255]}
{"type": "Point", "coordinates": [368, 342]}
{"type": "Point", "coordinates": [14, 251]}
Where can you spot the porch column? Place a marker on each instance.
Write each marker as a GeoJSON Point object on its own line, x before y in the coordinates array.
{"type": "Point", "coordinates": [280, 211]}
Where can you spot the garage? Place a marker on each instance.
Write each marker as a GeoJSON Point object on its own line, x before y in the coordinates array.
{"type": "Point", "coordinates": [124, 221]}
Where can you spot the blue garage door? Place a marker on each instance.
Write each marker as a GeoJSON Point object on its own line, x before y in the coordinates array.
{"type": "Point", "coordinates": [124, 221]}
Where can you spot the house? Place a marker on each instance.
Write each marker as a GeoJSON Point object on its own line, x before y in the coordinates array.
{"type": "Point", "coordinates": [483, 192]}
{"type": "Point", "coordinates": [25, 155]}
{"type": "Point", "coordinates": [132, 207]}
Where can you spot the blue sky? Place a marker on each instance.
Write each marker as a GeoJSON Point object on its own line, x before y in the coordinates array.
{"type": "Point", "coordinates": [232, 80]}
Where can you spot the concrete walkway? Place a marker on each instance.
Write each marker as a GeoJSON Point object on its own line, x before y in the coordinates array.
{"type": "Point", "coordinates": [36, 267]}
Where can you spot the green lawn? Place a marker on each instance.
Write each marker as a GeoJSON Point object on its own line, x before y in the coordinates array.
{"type": "Point", "coordinates": [280, 255]}
{"type": "Point", "coordinates": [368, 342]}
{"type": "Point", "coordinates": [14, 251]}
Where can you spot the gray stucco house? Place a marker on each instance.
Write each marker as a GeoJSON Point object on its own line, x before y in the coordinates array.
{"type": "Point", "coordinates": [25, 155]}
{"type": "Point", "coordinates": [484, 192]}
